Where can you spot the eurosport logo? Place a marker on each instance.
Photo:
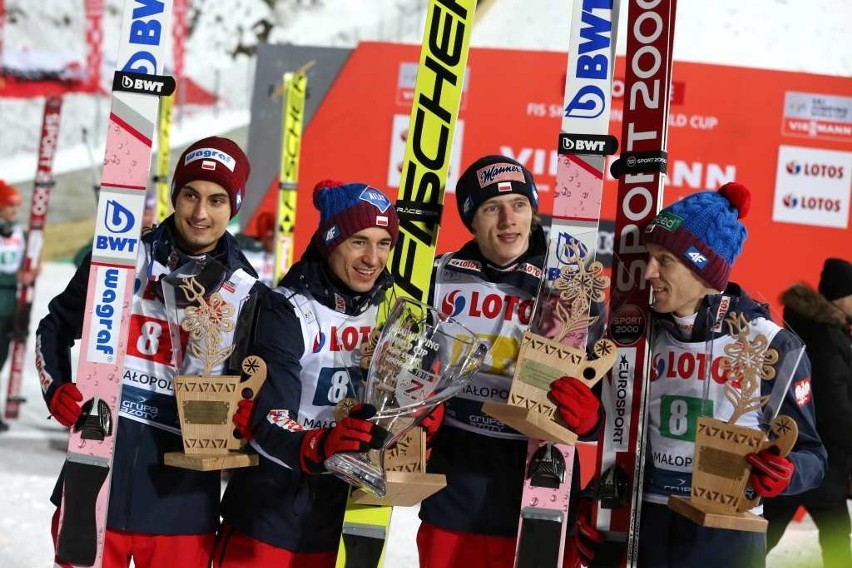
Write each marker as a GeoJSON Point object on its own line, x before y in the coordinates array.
{"type": "Point", "coordinates": [831, 171]}
{"type": "Point", "coordinates": [811, 203]}
{"type": "Point", "coordinates": [453, 303]}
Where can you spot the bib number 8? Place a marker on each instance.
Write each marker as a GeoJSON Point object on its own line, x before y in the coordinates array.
{"type": "Point", "coordinates": [679, 416]}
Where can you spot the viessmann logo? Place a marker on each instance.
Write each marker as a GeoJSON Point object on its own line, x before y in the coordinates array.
{"type": "Point", "coordinates": [831, 171]}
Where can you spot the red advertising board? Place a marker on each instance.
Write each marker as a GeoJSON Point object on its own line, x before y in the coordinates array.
{"type": "Point", "coordinates": [787, 136]}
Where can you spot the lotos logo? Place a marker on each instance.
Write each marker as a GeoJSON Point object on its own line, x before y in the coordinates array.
{"type": "Point", "coordinates": [812, 203]}
{"type": "Point", "coordinates": [453, 303]}
{"type": "Point", "coordinates": [814, 170]}
{"type": "Point", "coordinates": [319, 342]}
{"type": "Point", "coordinates": [687, 365]}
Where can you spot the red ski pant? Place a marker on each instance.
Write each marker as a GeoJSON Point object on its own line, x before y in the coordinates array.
{"type": "Point", "coordinates": [440, 548]}
{"type": "Point", "coordinates": [148, 550]}
{"type": "Point", "coordinates": [234, 549]}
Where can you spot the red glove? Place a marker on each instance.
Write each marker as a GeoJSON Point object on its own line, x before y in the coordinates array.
{"type": "Point", "coordinates": [770, 473]}
{"type": "Point", "coordinates": [581, 550]}
{"type": "Point", "coordinates": [577, 404]}
{"type": "Point", "coordinates": [242, 419]}
{"type": "Point", "coordinates": [352, 434]}
{"type": "Point", "coordinates": [64, 405]}
{"type": "Point", "coordinates": [432, 422]}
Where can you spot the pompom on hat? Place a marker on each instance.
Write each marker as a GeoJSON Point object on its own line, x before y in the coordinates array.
{"type": "Point", "coordinates": [346, 208]}
{"type": "Point", "coordinates": [215, 159]}
{"type": "Point", "coordinates": [835, 282]}
{"type": "Point", "coordinates": [703, 230]}
{"type": "Point", "coordinates": [9, 194]}
{"type": "Point", "coordinates": [491, 176]}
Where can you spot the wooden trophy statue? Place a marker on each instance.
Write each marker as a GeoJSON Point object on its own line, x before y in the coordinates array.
{"type": "Point", "coordinates": [555, 346]}
{"type": "Point", "coordinates": [720, 496]}
{"type": "Point", "coordinates": [207, 403]}
{"type": "Point", "coordinates": [405, 464]}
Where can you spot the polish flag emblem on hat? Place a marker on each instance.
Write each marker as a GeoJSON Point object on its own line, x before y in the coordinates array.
{"type": "Point", "coordinates": [208, 165]}
{"type": "Point", "coordinates": [504, 186]}
{"type": "Point", "coordinates": [381, 220]}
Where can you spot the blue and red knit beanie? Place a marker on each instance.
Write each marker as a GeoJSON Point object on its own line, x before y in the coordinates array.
{"type": "Point", "coordinates": [215, 159]}
{"type": "Point", "coordinates": [489, 177]}
{"type": "Point", "coordinates": [346, 208]}
{"type": "Point", "coordinates": [703, 230]}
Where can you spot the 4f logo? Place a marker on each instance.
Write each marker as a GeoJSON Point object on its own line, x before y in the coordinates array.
{"type": "Point", "coordinates": [695, 257]}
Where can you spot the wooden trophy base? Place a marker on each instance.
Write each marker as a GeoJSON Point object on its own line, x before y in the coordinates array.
{"type": "Point", "coordinates": [744, 521]}
{"type": "Point", "coordinates": [530, 422]}
{"type": "Point", "coordinates": [210, 462]}
{"type": "Point", "coordinates": [404, 489]}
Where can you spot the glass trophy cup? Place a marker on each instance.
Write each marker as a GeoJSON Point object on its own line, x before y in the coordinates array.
{"type": "Point", "coordinates": [422, 358]}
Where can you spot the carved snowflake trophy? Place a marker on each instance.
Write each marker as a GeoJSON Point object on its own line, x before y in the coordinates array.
{"type": "Point", "coordinates": [721, 496]}
{"type": "Point", "coordinates": [569, 303]}
{"type": "Point", "coordinates": [422, 358]}
{"type": "Point", "coordinates": [207, 402]}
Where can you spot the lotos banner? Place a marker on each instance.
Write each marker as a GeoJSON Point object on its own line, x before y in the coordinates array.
{"type": "Point", "coordinates": [787, 136]}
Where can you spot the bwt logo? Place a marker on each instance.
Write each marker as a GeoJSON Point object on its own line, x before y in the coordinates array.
{"type": "Point", "coordinates": [830, 171]}
{"type": "Point", "coordinates": [147, 85]}
{"type": "Point", "coordinates": [453, 303]}
{"type": "Point", "coordinates": [117, 220]}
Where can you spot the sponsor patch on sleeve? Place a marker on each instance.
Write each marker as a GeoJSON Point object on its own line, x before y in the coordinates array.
{"type": "Point", "coordinates": [802, 391]}
{"type": "Point", "coordinates": [281, 418]}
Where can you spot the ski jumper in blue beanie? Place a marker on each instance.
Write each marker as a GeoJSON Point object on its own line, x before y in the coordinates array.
{"type": "Point", "coordinates": [703, 230]}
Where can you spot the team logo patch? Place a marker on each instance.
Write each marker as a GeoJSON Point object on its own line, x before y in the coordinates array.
{"type": "Point", "coordinates": [209, 154]}
{"type": "Point", "coordinates": [330, 234]}
{"type": "Point", "coordinates": [375, 198]}
{"type": "Point", "coordinates": [381, 221]}
{"type": "Point", "coordinates": [281, 418]}
{"type": "Point", "coordinates": [504, 186]}
{"type": "Point", "coordinates": [496, 173]}
{"type": "Point", "coordinates": [802, 391]}
{"type": "Point", "coordinates": [695, 256]}
{"type": "Point", "coordinates": [666, 220]}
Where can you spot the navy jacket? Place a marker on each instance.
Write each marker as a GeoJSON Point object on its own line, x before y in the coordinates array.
{"type": "Point", "coordinates": [146, 496]}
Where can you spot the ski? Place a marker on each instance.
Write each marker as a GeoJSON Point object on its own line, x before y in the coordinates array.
{"type": "Point", "coordinates": [292, 122]}
{"type": "Point", "coordinates": [639, 170]}
{"type": "Point", "coordinates": [584, 143]}
{"type": "Point", "coordinates": [136, 89]}
{"type": "Point", "coordinates": [162, 190]}
{"type": "Point", "coordinates": [32, 253]}
{"type": "Point", "coordinates": [420, 198]}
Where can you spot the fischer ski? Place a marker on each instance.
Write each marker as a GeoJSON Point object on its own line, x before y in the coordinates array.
{"type": "Point", "coordinates": [584, 143]}
{"type": "Point", "coordinates": [295, 92]}
{"type": "Point", "coordinates": [426, 161]}
{"type": "Point", "coordinates": [639, 170]}
{"type": "Point", "coordinates": [162, 190]}
{"type": "Point", "coordinates": [32, 253]}
{"type": "Point", "coordinates": [136, 89]}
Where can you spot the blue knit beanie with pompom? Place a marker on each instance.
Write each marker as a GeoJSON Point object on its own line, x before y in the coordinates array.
{"type": "Point", "coordinates": [703, 230]}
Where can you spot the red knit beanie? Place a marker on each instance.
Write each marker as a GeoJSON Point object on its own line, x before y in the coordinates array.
{"type": "Point", "coordinates": [215, 159]}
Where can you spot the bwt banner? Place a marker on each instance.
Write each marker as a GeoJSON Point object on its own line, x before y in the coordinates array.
{"type": "Point", "coordinates": [787, 136]}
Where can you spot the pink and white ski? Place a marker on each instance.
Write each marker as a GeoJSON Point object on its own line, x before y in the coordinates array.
{"type": "Point", "coordinates": [137, 86]}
